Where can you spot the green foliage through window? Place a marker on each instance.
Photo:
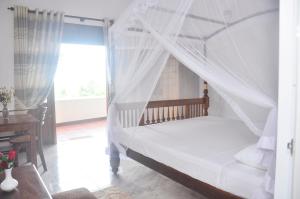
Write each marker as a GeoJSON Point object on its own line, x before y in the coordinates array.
{"type": "Point", "coordinates": [80, 72]}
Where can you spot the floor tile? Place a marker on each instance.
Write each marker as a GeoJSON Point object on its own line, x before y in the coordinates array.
{"type": "Point", "coordinates": [79, 160]}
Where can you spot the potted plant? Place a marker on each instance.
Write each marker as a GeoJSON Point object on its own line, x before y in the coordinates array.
{"type": "Point", "coordinates": [5, 98]}
{"type": "Point", "coordinates": [6, 165]}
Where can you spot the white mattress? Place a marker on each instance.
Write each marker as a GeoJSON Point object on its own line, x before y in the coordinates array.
{"type": "Point", "coordinates": [202, 148]}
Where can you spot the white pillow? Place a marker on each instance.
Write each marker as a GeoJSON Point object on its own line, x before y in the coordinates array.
{"type": "Point", "coordinates": [250, 156]}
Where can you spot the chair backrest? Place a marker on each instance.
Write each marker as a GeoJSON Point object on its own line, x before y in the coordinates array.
{"type": "Point", "coordinates": [40, 114]}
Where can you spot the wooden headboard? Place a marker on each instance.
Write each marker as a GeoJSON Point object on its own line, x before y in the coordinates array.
{"type": "Point", "coordinates": [163, 110]}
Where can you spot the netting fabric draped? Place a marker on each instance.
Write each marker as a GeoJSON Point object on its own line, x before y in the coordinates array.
{"type": "Point", "coordinates": [231, 44]}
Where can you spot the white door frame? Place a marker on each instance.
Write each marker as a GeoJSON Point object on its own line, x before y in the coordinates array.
{"type": "Point", "coordinates": [296, 153]}
{"type": "Point", "coordinates": [286, 98]}
{"type": "Point", "coordinates": [296, 166]}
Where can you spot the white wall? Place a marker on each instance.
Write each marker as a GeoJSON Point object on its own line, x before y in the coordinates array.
{"type": "Point", "coordinates": [176, 82]}
{"type": "Point", "coordinates": [68, 110]}
{"type": "Point", "coordinates": [6, 43]}
{"type": "Point", "coordinates": [86, 8]}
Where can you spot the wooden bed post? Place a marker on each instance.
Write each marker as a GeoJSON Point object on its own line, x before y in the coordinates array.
{"type": "Point", "coordinates": [114, 158]}
{"type": "Point", "coordinates": [205, 96]}
{"type": "Point", "coordinates": [187, 111]}
{"type": "Point", "coordinates": [142, 121]}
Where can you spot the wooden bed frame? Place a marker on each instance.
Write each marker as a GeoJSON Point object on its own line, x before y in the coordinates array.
{"type": "Point", "coordinates": [162, 111]}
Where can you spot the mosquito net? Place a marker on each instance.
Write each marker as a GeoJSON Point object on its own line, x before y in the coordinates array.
{"type": "Point", "coordinates": [231, 44]}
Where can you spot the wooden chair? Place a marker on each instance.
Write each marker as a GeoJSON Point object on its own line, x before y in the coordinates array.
{"type": "Point", "coordinates": [6, 146]}
{"type": "Point", "coordinates": [6, 136]}
{"type": "Point", "coordinates": [24, 139]}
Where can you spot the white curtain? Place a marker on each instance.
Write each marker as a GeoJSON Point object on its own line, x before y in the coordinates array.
{"type": "Point", "coordinates": [231, 44]}
{"type": "Point", "coordinates": [110, 70]}
{"type": "Point", "coordinates": [37, 39]}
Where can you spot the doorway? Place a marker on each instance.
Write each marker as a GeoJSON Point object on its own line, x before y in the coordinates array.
{"type": "Point", "coordinates": [79, 91]}
{"type": "Point", "coordinates": [80, 83]}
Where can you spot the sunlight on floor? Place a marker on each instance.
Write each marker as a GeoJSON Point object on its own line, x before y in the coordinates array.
{"type": "Point", "coordinates": [79, 160]}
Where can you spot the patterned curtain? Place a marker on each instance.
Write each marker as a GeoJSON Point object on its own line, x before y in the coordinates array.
{"type": "Point", "coordinates": [37, 39]}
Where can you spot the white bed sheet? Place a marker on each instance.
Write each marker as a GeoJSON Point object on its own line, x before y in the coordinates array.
{"type": "Point", "coordinates": [202, 148]}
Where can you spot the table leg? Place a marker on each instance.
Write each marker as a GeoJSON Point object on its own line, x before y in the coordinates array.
{"type": "Point", "coordinates": [33, 153]}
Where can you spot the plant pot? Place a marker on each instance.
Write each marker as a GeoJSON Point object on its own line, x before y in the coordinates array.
{"type": "Point", "coordinates": [5, 112]}
{"type": "Point", "coordinates": [9, 183]}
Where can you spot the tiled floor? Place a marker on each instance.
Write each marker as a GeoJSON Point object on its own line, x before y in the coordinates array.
{"type": "Point", "coordinates": [99, 126]}
{"type": "Point", "coordinates": [79, 160]}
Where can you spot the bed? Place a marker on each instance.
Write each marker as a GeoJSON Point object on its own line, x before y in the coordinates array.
{"type": "Point", "coordinates": [177, 138]}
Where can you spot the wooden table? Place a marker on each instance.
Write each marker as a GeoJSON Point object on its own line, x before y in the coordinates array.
{"type": "Point", "coordinates": [31, 186]}
{"type": "Point", "coordinates": [24, 122]}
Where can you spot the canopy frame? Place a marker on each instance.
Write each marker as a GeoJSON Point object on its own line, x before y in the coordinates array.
{"type": "Point", "coordinates": [220, 30]}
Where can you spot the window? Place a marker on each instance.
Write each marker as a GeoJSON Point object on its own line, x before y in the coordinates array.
{"type": "Point", "coordinates": [80, 72]}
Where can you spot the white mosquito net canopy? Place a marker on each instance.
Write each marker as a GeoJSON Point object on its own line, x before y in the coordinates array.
{"type": "Point", "coordinates": [231, 44]}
